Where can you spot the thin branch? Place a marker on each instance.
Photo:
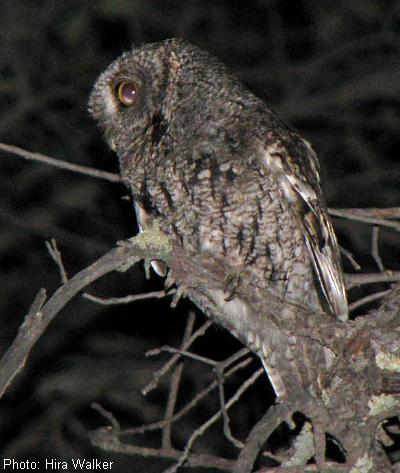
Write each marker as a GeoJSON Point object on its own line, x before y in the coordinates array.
{"type": "Point", "coordinates": [368, 299]}
{"type": "Point", "coordinates": [107, 415]}
{"type": "Point", "coordinates": [172, 361]}
{"type": "Point", "coordinates": [258, 435]}
{"type": "Point", "coordinates": [174, 387]}
{"type": "Point", "coordinates": [353, 280]}
{"type": "Point", "coordinates": [126, 299]}
{"type": "Point", "coordinates": [225, 416]}
{"type": "Point", "coordinates": [57, 258]}
{"type": "Point", "coordinates": [349, 255]}
{"type": "Point", "coordinates": [372, 212]}
{"type": "Point", "coordinates": [59, 163]}
{"type": "Point", "coordinates": [353, 214]}
{"type": "Point", "coordinates": [108, 440]}
{"type": "Point", "coordinates": [15, 357]}
{"type": "Point", "coordinates": [184, 353]}
{"type": "Point", "coordinates": [41, 314]}
{"type": "Point", "coordinates": [375, 249]}
{"type": "Point", "coordinates": [194, 402]}
{"type": "Point", "coordinates": [330, 467]}
{"type": "Point", "coordinates": [200, 430]}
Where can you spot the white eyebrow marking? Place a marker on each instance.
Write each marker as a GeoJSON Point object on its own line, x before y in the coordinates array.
{"type": "Point", "coordinates": [109, 102]}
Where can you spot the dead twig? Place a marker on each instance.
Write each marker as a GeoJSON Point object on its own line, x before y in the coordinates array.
{"type": "Point", "coordinates": [200, 430]}
{"type": "Point", "coordinates": [108, 440]}
{"type": "Point", "coordinates": [32, 327]}
{"type": "Point", "coordinates": [174, 387]}
{"type": "Point", "coordinates": [349, 255]}
{"type": "Point", "coordinates": [42, 313]}
{"type": "Point", "coordinates": [195, 401]}
{"type": "Point", "coordinates": [59, 163]}
{"type": "Point", "coordinates": [353, 280]}
{"type": "Point", "coordinates": [368, 299]}
{"type": "Point", "coordinates": [375, 249]}
{"type": "Point", "coordinates": [171, 362]}
{"type": "Point", "coordinates": [126, 299]}
{"type": "Point", "coordinates": [354, 214]}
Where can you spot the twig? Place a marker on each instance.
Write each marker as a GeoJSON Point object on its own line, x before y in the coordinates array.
{"type": "Point", "coordinates": [258, 435]}
{"type": "Point", "coordinates": [59, 163]}
{"type": "Point", "coordinates": [385, 213]}
{"type": "Point", "coordinates": [41, 314]}
{"type": "Point", "coordinates": [367, 299]}
{"type": "Point", "coordinates": [375, 249]}
{"type": "Point", "coordinates": [56, 256]}
{"type": "Point", "coordinates": [225, 416]}
{"type": "Point", "coordinates": [353, 280]}
{"type": "Point", "coordinates": [350, 257]}
{"type": "Point", "coordinates": [200, 430]}
{"type": "Point", "coordinates": [172, 361]}
{"type": "Point", "coordinates": [353, 214]}
{"type": "Point", "coordinates": [191, 404]}
{"type": "Point", "coordinates": [126, 299]}
{"type": "Point", "coordinates": [184, 353]}
{"type": "Point", "coordinates": [330, 467]}
{"type": "Point", "coordinates": [15, 357]}
{"type": "Point", "coordinates": [174, 387]}
{"type": "Point", "coordinates": [108, 440]}
{"type": "Point", "coordinates": [107, 415]}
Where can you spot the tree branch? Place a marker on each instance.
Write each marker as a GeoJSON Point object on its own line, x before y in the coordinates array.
{"type": "Point", "coordinates": [59, 163]}
{"type": "Point", "coordinates": [41, 314]}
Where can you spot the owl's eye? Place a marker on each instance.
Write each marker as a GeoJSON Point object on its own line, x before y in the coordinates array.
{"type": "Point", "coordinates": [126, 93]}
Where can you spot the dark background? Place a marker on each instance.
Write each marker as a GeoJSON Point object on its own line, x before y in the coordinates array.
{"type": "Point", "coordinates": [330, 69]}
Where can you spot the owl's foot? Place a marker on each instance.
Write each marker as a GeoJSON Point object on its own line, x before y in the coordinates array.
{"type": "Point", "coordinates": [232, 285]}
{"type": "Point", "coordinates": [179, 293]}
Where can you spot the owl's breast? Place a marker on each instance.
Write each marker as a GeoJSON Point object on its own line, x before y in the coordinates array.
{"type": "Point", "coordinates": [229, 209]}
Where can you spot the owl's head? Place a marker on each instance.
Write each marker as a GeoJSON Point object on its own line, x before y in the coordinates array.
{"type": "Point", "coordinates": [129, 92]}
{"type": "Point", "coordinates": [168, 85]}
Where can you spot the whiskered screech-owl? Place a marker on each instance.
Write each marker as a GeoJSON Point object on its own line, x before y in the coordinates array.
{"type": "Point", "coordinates": [221, 174]}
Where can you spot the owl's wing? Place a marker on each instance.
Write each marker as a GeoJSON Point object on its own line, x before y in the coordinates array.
{"type": "Point", "coordinates": [296, 168]}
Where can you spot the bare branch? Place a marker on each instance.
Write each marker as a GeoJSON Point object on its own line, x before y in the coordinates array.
{"type": "Point", "coordinates": [200, 430]}
{"type": "Point", "coordinates": [225, 415]}
{"type": "Point", "coordinates": [368, 299]}
{"type": "Point", "coordinates": [196, 400]}
{"type": "Point", "coordinates": [174, 387]}
{"type": "Point", "coordinates": [40, 314]}
{"type": "Point", "coordinates": [107, 415]}
{"type": "Point", "coordinates": [15, 357]}
{"type": "Point", "coordinates": [259, 434]}
{"type": "Point", "coordinates": [183, 353]}
{"type": "Point", "coordinates": [353, 280]}
{"type": "Point", "coordinates": [170, 363]}
{"type": "Point", "coordinates": [375, 249]}
{"type": "Point", "coordinates": [108, 440]}
{"type": "Point", "coordinates": [126, 299]}
{"type": "Point", "coordinates": [354, 214]}
{"type": "Point", "coordinates": [59, 163]}
{"type": "Point", "coordinates": [349, 255]}
{"type": "Point", "coordinates": [372, 212]}
{"type": "Point", "coordinates": [57, 258]}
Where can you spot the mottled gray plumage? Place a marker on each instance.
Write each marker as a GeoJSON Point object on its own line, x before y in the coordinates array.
{"type": "Point", "coordinates": [220, 172]}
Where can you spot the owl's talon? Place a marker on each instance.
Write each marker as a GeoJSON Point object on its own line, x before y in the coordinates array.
{"type": "Point", "coordinates": [178, 295]}
{"type": "Point", "coordinates": [232, 285]}
{"type": "Point", "coordinates": [169, 281]}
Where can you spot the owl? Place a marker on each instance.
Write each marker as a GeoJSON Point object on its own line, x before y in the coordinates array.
{"type": "Point", "coordinates": [223, 176]}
